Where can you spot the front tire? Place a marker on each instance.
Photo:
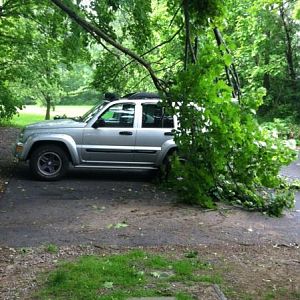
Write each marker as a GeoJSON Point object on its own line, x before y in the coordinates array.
{"type": "Point", "coordinates": [49, 162]}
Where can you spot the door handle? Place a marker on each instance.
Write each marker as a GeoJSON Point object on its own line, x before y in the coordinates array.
{"type": "Point", "coordinates": [169, 133]}
{"type": "Point", "coordinates": [125, 133]}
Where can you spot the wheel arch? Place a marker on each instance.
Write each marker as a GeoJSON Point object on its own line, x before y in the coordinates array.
{"type": "Point", "coordinates": [67, 144]}
{"type": "Point", "coordinates": [38, 144]}
{"type": "Point", "coordinates": [167, 149]}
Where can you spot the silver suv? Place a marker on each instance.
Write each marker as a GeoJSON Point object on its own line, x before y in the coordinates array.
{"type": "Point", "coordinates": [128, 133]}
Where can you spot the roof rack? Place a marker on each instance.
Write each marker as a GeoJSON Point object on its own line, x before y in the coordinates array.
{"type": "Point", "coordinates": [143, 95]}
{"type": "Point", "coordinates": [111, 96]}
{"type": "Point", "coordinates": [128, 95]}
{"type": "Point", "coordinates": [131, 96]}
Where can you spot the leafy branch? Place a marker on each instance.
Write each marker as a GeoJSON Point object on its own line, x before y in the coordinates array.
{"type": "Point", "coordinates": [96, 31]}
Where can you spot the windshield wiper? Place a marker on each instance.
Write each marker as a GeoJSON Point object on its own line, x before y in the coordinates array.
{"type": "Point", "coordinates": [77, 119]}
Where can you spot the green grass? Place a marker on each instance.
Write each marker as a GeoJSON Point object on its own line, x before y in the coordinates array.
{"type": "Point", "coordinates": [133, 274]}
{"type": "Point", "coordinates": [282, 294]}
{"type": "Point", "coordinates": [25, 119]}
{"type": "Point", "coordinates": [34, 113]}
{"type": "Point", "coordinates": [51, 248]}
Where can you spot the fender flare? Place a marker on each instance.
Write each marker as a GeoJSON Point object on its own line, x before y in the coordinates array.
{"type": "Point", "coordinates": [168, 146]}
{"type": "Point", "coordinates": [62, 138]}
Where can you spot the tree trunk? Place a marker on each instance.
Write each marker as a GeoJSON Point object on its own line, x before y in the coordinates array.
{"type": "Point", "coordinates": [189, 54]}
{"type": "Point", "coordinates": [289, 49]}
{"type": "Point", "coordinates": [231, 73]}
{"type": "Point", "coordinates": [267, 79]}
{"type": "Point", "coordinates": [48, 107]}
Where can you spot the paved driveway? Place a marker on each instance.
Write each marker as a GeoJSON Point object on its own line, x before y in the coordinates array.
{"type": "Point", "coordinates": [126, 208]}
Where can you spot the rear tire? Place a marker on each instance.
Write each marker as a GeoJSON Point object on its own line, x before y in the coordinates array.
{"type": "Point", "coordinates": [166, 166]}
{"type": "Point", "coordinates": [49, 162]}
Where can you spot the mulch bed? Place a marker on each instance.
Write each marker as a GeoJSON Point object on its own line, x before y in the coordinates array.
{"type": "Point", "coordinates": [8, 137]}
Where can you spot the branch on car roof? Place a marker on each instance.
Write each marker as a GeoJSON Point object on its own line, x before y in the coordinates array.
{"type": "Point", "coordinates": [96, 31]}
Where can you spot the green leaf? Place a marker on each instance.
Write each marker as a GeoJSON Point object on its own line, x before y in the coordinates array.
{"type": "Point", "coordinates": [108, 284]}
{"type": "Point", "coordinates": [227, 59]}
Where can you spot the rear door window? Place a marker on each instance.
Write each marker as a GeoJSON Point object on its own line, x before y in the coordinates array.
{"type": "Point", "coordinates": [154, 116]}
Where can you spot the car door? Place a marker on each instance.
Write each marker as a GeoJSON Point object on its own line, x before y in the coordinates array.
{"type": "Point", "coordinates": [112, 141]}
{"type": "Point", "coordinates": [153, 131]}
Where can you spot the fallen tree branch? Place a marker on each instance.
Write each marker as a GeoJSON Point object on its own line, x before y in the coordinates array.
{"type": "Point", "coordinates": [92, 29]}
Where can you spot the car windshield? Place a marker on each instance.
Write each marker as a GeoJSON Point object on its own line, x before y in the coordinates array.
{"type": "Point", "coordinates": [90, 113]}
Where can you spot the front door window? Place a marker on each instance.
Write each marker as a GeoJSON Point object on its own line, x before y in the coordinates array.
{"type": "Point", "coordinates": [119, 115]}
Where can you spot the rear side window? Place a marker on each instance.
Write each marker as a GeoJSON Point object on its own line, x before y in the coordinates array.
{"type": "Point", "coordinates": [154, 117]}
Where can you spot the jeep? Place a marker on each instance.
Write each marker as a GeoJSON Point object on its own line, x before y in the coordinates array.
{"type": "Point", "coordinates": [132, 132]}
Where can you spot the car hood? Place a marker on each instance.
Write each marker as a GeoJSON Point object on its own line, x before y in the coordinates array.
{"type": "Point", "coordinates": [60, 123]}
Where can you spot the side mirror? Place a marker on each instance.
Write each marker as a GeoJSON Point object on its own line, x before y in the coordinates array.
{"type": "Point", "coordinates": [99, 123]}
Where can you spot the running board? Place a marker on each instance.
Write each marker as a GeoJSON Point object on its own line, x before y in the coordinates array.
{"type": "Point", "coordinates": [114, 167]}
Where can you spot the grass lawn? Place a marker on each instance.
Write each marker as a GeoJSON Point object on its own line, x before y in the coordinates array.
{"type": "Point", "coordinates": [133, 274]}
{"type": "Point", "coordinates": [34, 113]}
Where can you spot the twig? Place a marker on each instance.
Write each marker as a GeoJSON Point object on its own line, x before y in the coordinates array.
{"type": "Point", "coordinates": [103, 45]}
{"type": "Point", "coordinates": [140, 81]}
{"type": "Point", "coordinates": [171, 22]}
{"type": "Point", "coordinates": [170, 66]}
{"type": "Point", "coordinates": [147, 52]}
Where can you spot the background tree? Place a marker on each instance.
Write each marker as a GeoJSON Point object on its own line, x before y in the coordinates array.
{"type": "Point", "coordinates": [15, 39]}
{"type": "Point", "coordinates": [266, 42]}
{"type": "Point", "coordinates": [38, 44]}
{"type": "Point", "coordinates": [297, 10]}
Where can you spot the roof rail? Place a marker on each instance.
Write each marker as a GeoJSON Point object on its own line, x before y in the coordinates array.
{"type": "Point", "coordinates": [128, 95]}
{"type": "Point", "coordinates": [143, 95]}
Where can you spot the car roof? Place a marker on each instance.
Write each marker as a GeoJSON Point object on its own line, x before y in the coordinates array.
{"type": "Point", "coordinates": [143, 95]}
{"type": "Point", "coordinates": [132, 96]}
{"type": "Point", "coordinates": [128, 100]}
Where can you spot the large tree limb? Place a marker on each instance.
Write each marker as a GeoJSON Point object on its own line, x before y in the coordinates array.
{"type": "Point", "coordinates": [97, 31]}
{"type": "Point", "coordinates": [188, 45]}
{"type": "Point", "coordinates": [231, 73]}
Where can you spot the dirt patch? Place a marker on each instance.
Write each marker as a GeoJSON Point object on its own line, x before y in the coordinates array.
{"type": "Point", "coordinates": [8, 137]}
